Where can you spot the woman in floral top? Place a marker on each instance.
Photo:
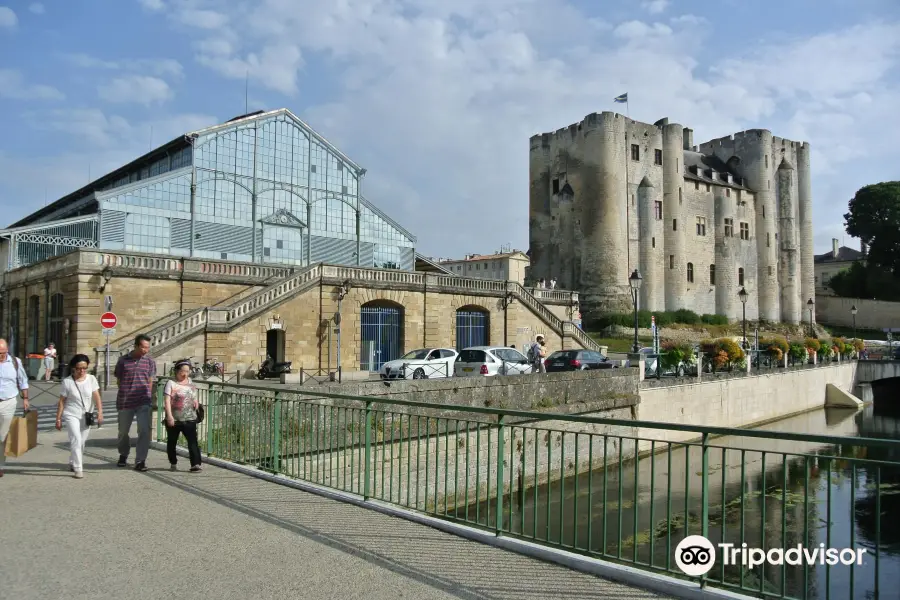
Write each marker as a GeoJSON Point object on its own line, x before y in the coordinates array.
{"type": "Point", "coordinates": [181, 415]}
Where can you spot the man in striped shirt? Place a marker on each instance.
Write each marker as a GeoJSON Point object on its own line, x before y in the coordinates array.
{"type": "Point", "coordinates": [135, 373]}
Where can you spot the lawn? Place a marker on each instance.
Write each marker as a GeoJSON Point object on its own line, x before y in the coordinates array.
{"type": "Point", "coordinates": [619, 345]}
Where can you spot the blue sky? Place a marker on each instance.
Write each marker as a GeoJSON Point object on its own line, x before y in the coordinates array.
{"type": "Point", "coordinates": [437, 98]}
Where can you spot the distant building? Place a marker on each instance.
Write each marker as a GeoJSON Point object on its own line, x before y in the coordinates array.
{"type": "Point", "coordinates": [831, 263]}
{"type": "Point", "coordinates": [501, 266]}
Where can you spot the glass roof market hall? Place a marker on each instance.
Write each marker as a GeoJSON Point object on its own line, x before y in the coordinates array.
{"type": "Point", "coordinates": [263, 187]}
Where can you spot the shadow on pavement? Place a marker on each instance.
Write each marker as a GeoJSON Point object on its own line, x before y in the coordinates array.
{"type": "Point", "coordinates": [454, 565]}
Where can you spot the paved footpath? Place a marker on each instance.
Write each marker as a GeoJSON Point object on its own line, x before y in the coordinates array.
{"type": "Point", "coordinates": [219, 534]}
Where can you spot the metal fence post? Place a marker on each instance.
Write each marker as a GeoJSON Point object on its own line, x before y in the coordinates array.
{"type": "Point", "coordinates": [160, 410]}
{"type": "Point", "coordinates": [368, 467]}
{"type": "Point", "coordinates": [211, 401]}
{"type": "Point", "coordinates": [498, 521]}
{"type": "Point", "coordinates": [276, 441]}
{"type": "Point", "coordinates": [704, 492]}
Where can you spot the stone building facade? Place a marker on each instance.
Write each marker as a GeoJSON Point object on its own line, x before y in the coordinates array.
{"type": "Point", "coordinates": [227, 311]}
{"type": "Point", "coordinates": [610, 195]}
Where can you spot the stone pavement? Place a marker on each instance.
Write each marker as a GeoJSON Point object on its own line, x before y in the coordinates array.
{"type": "Point", "coordinates": [220, 534]}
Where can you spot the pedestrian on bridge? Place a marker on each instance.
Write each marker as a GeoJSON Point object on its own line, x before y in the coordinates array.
{"type": "Point", "coordinates": [79, 396]}
{"type": "Point", "coordinates": [182, 407]}
{"type": "Point", "coordinates": [13, 380]}
{"type": "Point", "coordinates": [135, 373]}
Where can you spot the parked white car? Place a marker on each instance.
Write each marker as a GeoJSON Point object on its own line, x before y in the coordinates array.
{"type": "Point", "coordinates": [425, 363]}
{"type": "Point", "coordinates": [480, 361]}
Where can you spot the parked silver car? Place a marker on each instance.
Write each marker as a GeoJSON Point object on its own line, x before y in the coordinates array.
{"type": "Point", "coordinates": [424, 363]}
{"type": "Point", "coordinates": [489, 361]}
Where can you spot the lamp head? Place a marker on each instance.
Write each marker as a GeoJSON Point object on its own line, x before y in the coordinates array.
{"type": "Point", "coordinates": [853, 310]}
{"type": "Point", "coordinates": [810, 303]}
{"type": "Point", "coordinates": [743, 295]}
{"type": "Point", "coordinates": [635, 280]}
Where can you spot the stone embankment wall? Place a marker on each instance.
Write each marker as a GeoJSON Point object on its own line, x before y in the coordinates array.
{"type": "Point", "coordinates": [871, 314]}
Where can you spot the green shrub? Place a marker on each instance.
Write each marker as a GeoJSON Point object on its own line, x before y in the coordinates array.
{"type": "Point", "coordinates": [685, 316]}
{"type": "Point", "coordinates": [779, 342]}
{"type": "Point", "coordinates": [797, 350]}
{"type": "Point", "coordinates": [714, 319]}
{"type": "Point", "coordinates": [813, 344]}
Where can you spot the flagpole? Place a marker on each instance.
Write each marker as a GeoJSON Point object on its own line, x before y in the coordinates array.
{"type": "Point", "coordinates": [627, 185]}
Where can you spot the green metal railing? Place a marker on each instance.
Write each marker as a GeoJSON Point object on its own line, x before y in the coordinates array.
{"type": "Point", "coordinates": [619, 490]}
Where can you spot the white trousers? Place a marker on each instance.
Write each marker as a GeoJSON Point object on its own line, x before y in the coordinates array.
{"type": "Point", "coordinates": [78, 435]}
{"type": "Point", "coordinates": [7, 411]}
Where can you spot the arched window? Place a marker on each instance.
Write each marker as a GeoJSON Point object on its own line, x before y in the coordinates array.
{"type": "Point", "coordinates": [381, 322]}
{"type": "Point", "coordinates": [712, 274]}
{"type": "Point", "coordinates": [13, 340]}
{"type": "Point", "coordinates": [690, 272]}
{"type": "Point", "coordinates": [34, 324]}
{"type": "Point", "coordinates": [56, 322]}
{"type": "Point", "coordinates": [741, 276]}
{"type": "Point", "coordinates": [472, 327]}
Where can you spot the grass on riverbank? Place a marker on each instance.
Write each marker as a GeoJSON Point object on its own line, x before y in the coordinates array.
{"type": "Point", "coordinates": [618, 345]}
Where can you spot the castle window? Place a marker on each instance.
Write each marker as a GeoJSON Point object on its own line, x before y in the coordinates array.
{"type": "Point", "coordinates": [635, 152]}
{"type": "Point", "coordinates": [696, 185]}
{"type": "Point", "coordinates": [671, 261]}
{"type": "Point", "coordinates": [768, 239]}
{"type": "Point", "coordinates": [707, 187]}
{"type": "Point", "coordinates": [770, 270]}
{"type": "Point", "coordinates": [728, 192]}
{"type": "Point", "coordinates": [674, 224]}
{"type": "Point", "coordinates": [653, 242]}
{"type": "Point", "coordinates": [701, 226]}
{"type": "Point", "coordinates": [712, 274]}
{"type": "Point", "coordinates": [556, 186]}
{"type": "Point", "coordinates": [745, 231]}
{"type": "Point", "coordinates": [729, 227]}
{"type": "Point", "coordinates": [764, 211]}
{"type": "Point", "coordinates": [657, 157]}
{"type": "Point", "coordinates": [741, 276]}
{"type": "Point", "coordinates": [767, 161]}
{"type": "Point", "coordinates": [632, 199]}
{"type": "Point", "coordinates": [657, 207]}
{"type": "Point", "coordinates": [768, 184]}
{"type": "Point", "coordinates": [690, 272]}
{"type": "Point", "coordinates": [680, 196]}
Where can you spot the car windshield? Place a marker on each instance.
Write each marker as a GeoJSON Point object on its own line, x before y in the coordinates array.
{"type": "Point", "coordinates": [564, 355]}
{"type": "Point", "coordinates": [472, 356]}
{"type": "Point", "coordinates": [416, 355]}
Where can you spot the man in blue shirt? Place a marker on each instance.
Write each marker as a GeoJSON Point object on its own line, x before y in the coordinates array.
{"type": "Point", "coordinates": [13, 379]}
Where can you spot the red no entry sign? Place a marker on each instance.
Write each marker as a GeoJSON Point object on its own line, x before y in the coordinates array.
{"type": "Point", "coordinates": [108, 320]}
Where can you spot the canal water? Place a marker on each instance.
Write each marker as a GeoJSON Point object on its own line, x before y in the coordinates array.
{"type": "Point", "coordinates": [765, 493]}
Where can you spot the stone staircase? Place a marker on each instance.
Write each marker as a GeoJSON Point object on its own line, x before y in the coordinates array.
{"type": "Point", "coordinates": [172, 332]}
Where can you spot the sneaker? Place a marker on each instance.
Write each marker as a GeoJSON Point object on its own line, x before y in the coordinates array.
{"type": "Point", "coordinates": [78, 474]}
{"type": "Point", "coordinates": [173, 467]}
{"type": "Point", "coordinates": [140, 467]}
{"type": "Point", "coordinates": [123, 461]}
{"type": "Point", "coordinates": [196, 469]}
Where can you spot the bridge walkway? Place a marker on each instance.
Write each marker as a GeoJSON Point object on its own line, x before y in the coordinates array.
{"type": "Point", "coordinates": [126, 535]}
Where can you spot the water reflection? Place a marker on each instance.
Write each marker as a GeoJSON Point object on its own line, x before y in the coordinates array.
{"type": "Point", "coordinates": [760, 493]}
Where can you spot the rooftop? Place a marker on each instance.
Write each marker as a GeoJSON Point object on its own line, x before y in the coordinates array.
{"type": "Point", "coordinates": [844, 254]}
{"type": "Point", "coordinates": [477, 257]}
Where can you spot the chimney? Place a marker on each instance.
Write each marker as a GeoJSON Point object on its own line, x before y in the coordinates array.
{"type": "Point", "coordinates": [688, 138]}
{"type": "Point", "coordinates": [835, 248]}
{"type": "Point", "coordinates": [863, 249]}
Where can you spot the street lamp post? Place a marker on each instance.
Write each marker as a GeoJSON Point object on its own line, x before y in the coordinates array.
{"type": "Point", "coordinates": [810, 304]}
{"type": "Point", "coordinates": [635, 282]}
{"type": "Point", "coordinates": [853, 311]}
{"type": "Point", "coordinates": [743, 296]}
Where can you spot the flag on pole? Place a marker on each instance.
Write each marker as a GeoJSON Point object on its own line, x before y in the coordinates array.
{"type": "Point", "coordinates": [621, 99]}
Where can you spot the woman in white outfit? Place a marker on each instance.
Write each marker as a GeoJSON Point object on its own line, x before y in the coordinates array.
{"type": "Point", "coordinates": [49, 360]}
{"type": "Point", "coordinates": [78, 397]}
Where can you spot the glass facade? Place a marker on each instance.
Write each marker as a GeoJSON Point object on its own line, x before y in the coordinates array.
{"type": "Point", "coordinates": [307, 203]}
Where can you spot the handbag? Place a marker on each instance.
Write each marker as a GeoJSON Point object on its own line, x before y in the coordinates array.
{"type": "Point", "coordinates": [201, 412]}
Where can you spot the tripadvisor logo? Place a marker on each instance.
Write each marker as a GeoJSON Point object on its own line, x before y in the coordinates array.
{"type": "Point", "coordinates": [695, 555]}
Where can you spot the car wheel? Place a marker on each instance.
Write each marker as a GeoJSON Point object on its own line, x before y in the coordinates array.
{"type": "Point", "coordinates": [584, 367]}
{"type": "Point", "coordinates": [419, 374]}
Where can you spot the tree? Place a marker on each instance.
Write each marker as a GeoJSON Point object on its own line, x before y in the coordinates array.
{"type": "Point", "coordinates": [874, 218]}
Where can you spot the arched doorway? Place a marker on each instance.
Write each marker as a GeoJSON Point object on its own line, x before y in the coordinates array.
{"type": "Point", "coordinates": [382, 334]}
{"type": "Point", "coordinates": [472, 327]}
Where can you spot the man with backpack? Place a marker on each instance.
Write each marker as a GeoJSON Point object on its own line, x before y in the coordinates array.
{"type": "Point", "coordinates": [537, 352]}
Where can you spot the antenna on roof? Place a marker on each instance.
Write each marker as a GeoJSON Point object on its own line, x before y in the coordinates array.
{"type": "Point", "coordinates": [246, 91]}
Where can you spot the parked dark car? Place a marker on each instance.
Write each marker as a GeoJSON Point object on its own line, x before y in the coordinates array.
{"type": "Point", "coordinates": [576, 360]}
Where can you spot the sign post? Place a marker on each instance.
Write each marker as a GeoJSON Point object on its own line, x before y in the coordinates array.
{"type": "Point", "coordinates": [108, 322]}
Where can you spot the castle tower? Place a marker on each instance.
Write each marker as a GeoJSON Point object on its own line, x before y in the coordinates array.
{"type": "Point", "coordinates": [725, 256]}
{"type": "Point", "coordinates": [807, 268]}
{"type": "Point", "coordinates": [789, 263]}
{"type": "Point", "coordinates": [539, 221]}
{"type": "Point", "coordinates": [650, 244]}
{"type": "Point", "coordinates": [674, 223]}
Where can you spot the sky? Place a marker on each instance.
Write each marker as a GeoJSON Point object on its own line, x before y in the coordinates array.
{"type": "Point", "coordinates": [437, 99]}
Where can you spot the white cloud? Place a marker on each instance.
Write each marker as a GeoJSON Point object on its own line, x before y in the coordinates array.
{"type": "Point", "coordinates": [655, 7]}
{"type": "Point", "coordinates": [136, 89]}
{"type": "Point", "coordinates": [153, 5]}
{"type": "Point", "coordinates": [161, 67]}
{"type": "Point", "coordinates": [204, 19]}
{"type": "Point", "coordinates": [14, 87]}
{"type": "Point", "coordinates": [37, 8]}
{"type": "Point", "coordinates": [7, 17]}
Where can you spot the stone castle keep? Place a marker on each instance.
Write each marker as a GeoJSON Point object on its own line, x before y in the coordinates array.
{"type": "Point", "coordinates": [609, 195]}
